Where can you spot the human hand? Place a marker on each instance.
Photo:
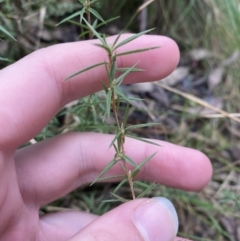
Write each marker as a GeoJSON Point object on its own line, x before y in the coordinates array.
{"type": "Point", "coordinates": [32, 92]}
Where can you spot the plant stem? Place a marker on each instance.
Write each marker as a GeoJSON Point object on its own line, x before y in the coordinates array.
{"type": "Point", "coordinates": [121, 138]}
{"type": "Point", "coordinates": [89, 18]}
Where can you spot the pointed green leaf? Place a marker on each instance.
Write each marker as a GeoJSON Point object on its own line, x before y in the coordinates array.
{"type": "Point", "coordinates": [109, 165]}
{"type": "Point", "coordinates": [115, 138]}
{"type": "Point", "coordinates": [119, 80]}
{"type": "Point", "coordinates": [129, 39]}
{"type": "Point", "coordinates": [146, 191]}
{"type": "Point", "coordinates": [71, 16]}
{"type": "Point", "coordinates": [136, 51]}
{"type": "Point", "coordinates": [119, 198]}
{"type": "Point", "coordinates": [141, 126]}
{"type": "Point", "coordinates": [108, 103]}
{"type": "Point", "coordinates": [83, 34]}
{"type": "Point", "coordinates": [135, 172]}
{"type": "Point", "coordinates": [104, 47]}
{"type": "Point", "coordinates": [141, 139]}
{"type": "Point", "coordinates": [115, 148]}
{"type": "Point", "coordinates": [78, 24]}
{"type": "Point", "coordinates": [117, 38]}
{"type": "Point", "coordinates": [113, 70]}
{"type": "Point", "coordinates": [120, 93]}
{"type": "Point", "coordinates": [128, 160]}
{"type": "Point", "coordinates": [141, 184]}
{"type": "Point", "coordinates": [94, 32]}
{"type": "Point", "coordinates": [4, 59]}
{"type": "Point", "coordinates": [133, 70]}
{"type": "Point", "coordinates": [104, 87]}
{"type": "Point", "coordinates": [106, 21]}
{"type": "Point", "coordinates": [111, 177]}
{"type": "Point", "coordinates": [84, 70]}
{"type": "Point", "coordinates": [120, 185]}
{"type": "Point", "coordinates": [96, 14]}
{"type": "Point", "coordinates": [110, 201]}
{"type": "Point", "coordinates": [6, 32]}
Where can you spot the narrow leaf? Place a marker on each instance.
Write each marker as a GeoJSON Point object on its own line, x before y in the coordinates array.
{"type": "Point", "coordinates": [97, 15]}
{"type": "Point", "coordinates": [137, 169]}
{"type": "Point", "coordinates": [120, 198]}
{"type": "Point", "coordinates": [128, 160]}
{"type": "Point", "coordinates": [110, 201]}
{"type": "Point", "coordinates": [94, 32]}
{"type": "Point", "coordinates": [104, 87]}
{"type": "Point", "coordinates": [133, 70]}
{"type": "Point", "coordinates": [120, 185]}
{"type": "Point", "coordinates": [141, 184]}
{"type": "Point", "coordinates": [109, 165]}
{"type": "Point", "coordinates": [136, 51]}
{"type": "Point", "coordinates": [111, 177]}
{"type": "Point", "coordinates": [108, 103]}
{"type": "Point", "coordinates": [4, 59]}
{"type": "Point", "coordinates": [141, 126]}
{"type": "Point", "coordinates": [118, 91]}
{"type": "Point", "coordinates": [78, 24]}
{"type": "Point", "coordinates": [117, 38]}
{"type": "Point", "coordinates": [6, 32]}
{"type": "Point", "coordinates": [107, 21]}
{"type": "Point", "coordinates": [71, 16]}
{"type": "Point", "coordinates": [104, 47]}
{"type": "Point", "coordinates": [115, 138]}
{"type": "Point", "coordinates": [146, 191]}
{"type": "Point", "coordinates": [141, 139]}
{"type": "Point", "coordinates": [119, 80]}
{"type": "Point", "coordinates": [84, 70]}
{"type": "Point", "coordinates": [129, 39]}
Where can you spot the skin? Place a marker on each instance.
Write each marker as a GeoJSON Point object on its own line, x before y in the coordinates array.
{"type": "Point", "coordinates": [32, 92]}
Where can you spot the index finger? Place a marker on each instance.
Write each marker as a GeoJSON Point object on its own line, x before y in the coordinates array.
{"type": "Point", "coordinates": [33, 91]}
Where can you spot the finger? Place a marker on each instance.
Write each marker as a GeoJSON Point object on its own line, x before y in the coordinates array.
{"type": "Point", "coordinates": [154, 219]}
{"type": "Point", "coordinates": [57, 166]}
{"type": "Point", "coordinates": [33, 91]}
{"type": "Point", "coordinates": [61, 226]}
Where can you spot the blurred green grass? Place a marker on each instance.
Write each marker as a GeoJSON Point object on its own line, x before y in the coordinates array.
{"type": "Point", "coordinates": [212, 214]}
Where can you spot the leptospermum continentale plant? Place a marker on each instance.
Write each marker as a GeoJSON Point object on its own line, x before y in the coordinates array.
{"type": "Point", "coordinates": [114, 96]}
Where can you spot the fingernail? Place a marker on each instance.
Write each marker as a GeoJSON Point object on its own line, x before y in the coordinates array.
{"type": "Point", "coordinates": [156, 220]}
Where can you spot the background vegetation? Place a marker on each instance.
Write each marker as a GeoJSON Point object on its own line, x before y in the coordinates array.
{"type": "Point", "coordinates": [208, 35]}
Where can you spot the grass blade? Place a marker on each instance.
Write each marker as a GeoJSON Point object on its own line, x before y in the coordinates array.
{"type": "Point", "coordinates": [97, 15]}
{"type": "Point", "coordinates": [83, 70]}
{"type": "Point", "coordinates": [108, 103]}
{"type": "Point", "coordinates": [111, 177]}
{"type": "Point", "coordinates": [95, 32]}
{"type": "Point", "coordinates": [133, 70]}
{"type": "Point", "coordinates": [71, 16]}
{"type": "Point", "coordinates": [120, 199]}
{"type": "Point", "coordinates": [136, 51]}
{"type": "Point", "coordinates": [4, 59]}
{"type": "Point", "coordinates": [141, 139]}
{"type": "Point", "coordinates": [146, 190]}
{"type": "Point", "coordinates": [7, 33]}
{"type": "Point", "coordinates": [129, 39]}
{"type": "Point", "coordinates": [120, 185]}
{"type": "Point", "coordinates": [141, 126]}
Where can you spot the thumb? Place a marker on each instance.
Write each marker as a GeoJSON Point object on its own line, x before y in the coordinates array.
{"type": "Point", "coordinates": [143, 219]}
